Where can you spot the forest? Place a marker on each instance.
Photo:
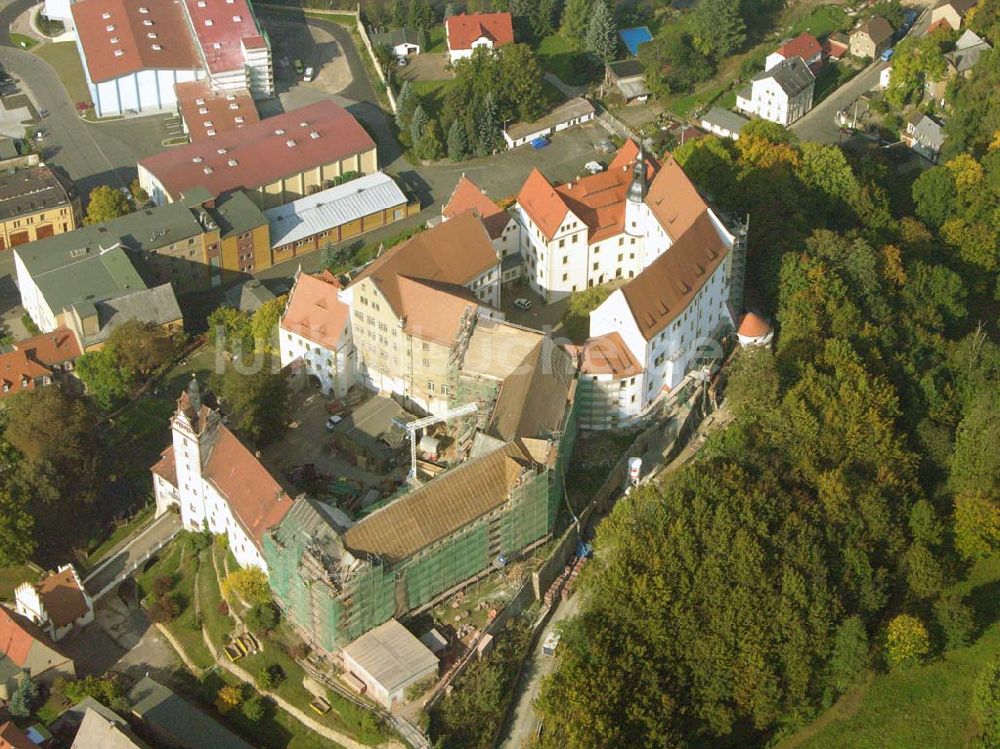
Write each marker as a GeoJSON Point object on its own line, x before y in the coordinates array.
{"type": "Point", "coordinates": [814, 539]}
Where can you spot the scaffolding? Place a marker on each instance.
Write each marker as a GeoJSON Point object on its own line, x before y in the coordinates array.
{"type": "Point", "coordinates": [462, 556]}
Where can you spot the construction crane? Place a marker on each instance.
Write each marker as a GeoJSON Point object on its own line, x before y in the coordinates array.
{"type": "Point", "coordinates": [412, 427]}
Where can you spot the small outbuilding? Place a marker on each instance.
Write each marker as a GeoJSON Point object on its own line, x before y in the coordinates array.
{"type": "Point", "coordinates": [388, 660]}
{"type": "Point", "coordinates": [635, 38]}
{"type": "Point", "coordinates": [754, 331]}
{"type": "Point", "coordinates": [401, 42]}
{"type": "Point", "coordinates": [569, 114]}
{"type": "Point", "coordinates": [724, 123]}
{"type": "Point", "coordinates": [628, 76]}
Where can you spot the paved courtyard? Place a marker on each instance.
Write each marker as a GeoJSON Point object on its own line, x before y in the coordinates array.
{"type": "Point", "coordinates": [430, 66]}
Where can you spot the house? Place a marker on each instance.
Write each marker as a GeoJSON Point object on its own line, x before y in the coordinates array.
{"type": "Point", "coordinates": [103, 729]}
{"type": "Point", "coordinates": [401, 42]}
{"type": "Point", "coordinates": [950, 13]}
{"type": "Point", "coordinates": [134, 54]}
{"type": "Point", "coordinates": [215, 481]}
{"type": "Point", "coordinates": [336, 214]}
{"type": "Point", "coordinates": [723, 123]}
{"type": "Point", "coordinates": [175, 722]}
{"type": "Point", "coordinates": [388, 660]}
{"type": "Point", "coordinates": [205, 112]}
{"type": "Point", "coordinates": [57, 604]}
{"type": "Point", "coordinates": [12, 737]}
{"type": "Point", "coordinates": [39, 361]}
{"type": "Point", "coordinates": [871, 38]}
{"type": "Point", "coordinates": [414, 307]}
{"type": "Point", "coordinates": [570, 113]}
{"type": "Point", "coordinates": [960, 62]}
{"type": "Point", "coordinates": [923, 135]}
{"type": "Point", "coordinates": [315, 332]}
{"type": "Point", "coordinates": [24, 648]}
{"type": "Point", "coordinates": [628, 76]}
{"type": "Point", "coordinates": [754, 330]}
{"type": "Point", "coordinates": [465, 33]}
{"type": "Point", "coordinates": [500, 225]}
{"type": "Point", "coordinates": [804, 45]}
{"type": "Point", "coordinates": [36, 202]}
{"type": "Point", "coordinates": [634, 38]}
{"type": "Point", "coordinates": [781, 94]}
{"type": "Point", "coordinates": [836, 45]}
{"type": "Point", "coordinates": [275, 161]}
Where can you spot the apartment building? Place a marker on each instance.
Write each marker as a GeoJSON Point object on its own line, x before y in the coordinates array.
{"type": "Point", "coordinates": [36, 202]}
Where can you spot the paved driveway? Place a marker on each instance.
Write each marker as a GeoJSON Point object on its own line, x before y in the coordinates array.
{"type": "Point", "coordinates": [135, 552]}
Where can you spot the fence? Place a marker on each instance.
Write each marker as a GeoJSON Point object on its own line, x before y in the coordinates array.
{"type": "Point", "coordinates": [363, 33]}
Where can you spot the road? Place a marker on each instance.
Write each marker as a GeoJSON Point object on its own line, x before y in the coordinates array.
{"type": "Point", "coordinates": [136, 551]}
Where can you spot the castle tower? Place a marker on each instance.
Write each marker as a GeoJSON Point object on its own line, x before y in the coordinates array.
{"type": "Point", "coordinates": [194, 427]}
{"type": "Point", "coordinates": [635, 209]}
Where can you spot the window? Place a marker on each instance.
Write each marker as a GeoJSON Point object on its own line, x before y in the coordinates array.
{"type": "Point", "coordinates": [562, 242]}
{"type": "Point", "coordinates": [595, 266]}
{"type": "Point", "coordinates": [427, 362]}
{"type": "Point", "coordinates": [565, 276]}
{"type": "Point", "coordinates": [430, 386]}
{"type": "Point", "coordinates": [565, 259]}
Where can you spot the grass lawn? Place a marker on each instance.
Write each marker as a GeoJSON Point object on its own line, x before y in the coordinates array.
{"type": "Point", "coordinates": [64, 58]}
{"type": "Point", "coordinates": [22, 41]}
{"type": "Point", "coordinates": [432, 93]}
{"type": "Point", "coordinates": [821, 22]}
{"type": "Point", "coordinates": [219, 626]}
{"type": "Point", "coordinates": [926, 706]}
{"type": "Point", "coordinates": [439, 43]}
{"type": "Point", "coordinates": [566, 59]}
{"type": "Point", "coordinates": [11, 577]}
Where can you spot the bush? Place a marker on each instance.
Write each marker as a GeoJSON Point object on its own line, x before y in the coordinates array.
{"type": "Point", "coordinates": [254, 708]}
{"type": "Point", "coordinates": [222, 541]}
{"type": "Point", "coordinates": [223, 608]}
{"type": "Point", "coordinates": [198, 541]}
{"type": "Point", "coordinates": [986, 705]}
{"type": "Point", "coordinates": [107, 689]}
{"type": "Point", "coordinates": [270, 676]}
{"type": "Point", "coordinates": [263, 617]}
{"type": "Point", "coordinates": [164, 609]}
{"type": "Point", "coordinates": [249, 584]}
{"type": "Point", "coordinates": [228, 698]}
{"type": "Point", "coordinates": [955, 621]}
{"type": "Point", "coordinates": [907, 642]}
{"type": "Point", "coordinates": [162, 585]}
{"type": "Point", "coordinates": [850, 654]}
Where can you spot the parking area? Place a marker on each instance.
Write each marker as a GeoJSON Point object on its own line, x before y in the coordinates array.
{"type": "Point", "coordinates": [311, 47]}
{"type": "Point", "coordinates": [430, 66]}
{"type": "Point", "coordinates": [540, 316]}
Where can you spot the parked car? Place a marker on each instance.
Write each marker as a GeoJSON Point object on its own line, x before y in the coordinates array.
{"type": "Point", "coordinates": [522, 303]}
{"type": "Point", "coordinates": [539, 142]}
{"type": "Point", "coordinates": [402, 61]}
{"type": "Point", "coordinates": [308, 75]}
{"type": "Point", "coordinates": [887, 55]}
{"type": "Point", "coordinates": [332, 422]}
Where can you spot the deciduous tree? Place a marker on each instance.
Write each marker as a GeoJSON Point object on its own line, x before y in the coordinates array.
{"type": "Point", "coordinates": [718, 27]}
{"type": "Point", "coordinates": [106, 203]}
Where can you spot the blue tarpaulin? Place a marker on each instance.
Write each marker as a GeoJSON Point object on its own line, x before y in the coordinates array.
{"type": "Point", "coordinates": [633, 38]}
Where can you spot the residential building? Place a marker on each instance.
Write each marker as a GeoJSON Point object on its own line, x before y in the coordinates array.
{"type": "Point", "coordinates": [414, 307]}
{"type": "Point", "coordinates": [960, 62]}
{"type": "Point", "coordinates": [924, 135]}
{"type": "Point", "coordinates": [57, 604]}
{"type": "Point", "coordinates": [12, 737]}
{"type": "Point", "coordinates": [566, 115]}
{"type": "Point", "coordinates": [500, 225]}
{"type": "Point", "coordinates": [216, 482]}
{"type": "Point", "coordinates": [871, 38]}
{"type": "Point", "coordinates": [103, 729]}
{"type": "Point", "coordinates": [315, 332]}
{"type": "Point", "coordinates": [388, 660]}
{"type": "Point", "coordinates": [89, 284]}
{"type": "Point", "coordinates": [401, 42]}
{"type": "Point", "coordinates": [36, 202]}
{"type": "Point", "coordinates": [723, 123]}
{"type": "Point", "coordinates": [177, 723]}
{"type": "Point", "coordinates": [634, 38]}
{"type": "Point", "coordinates": [335, 215]}
{"type": "Point", "coordinates": [804, 45]}
{"type": "Point", "coordinates": [466, 33]}
{"type": "Point", "coordinates": [275, 161]}
{"type": "Point", "coordinates": [205, 112]}
{"type": "Point", "coordinates": [610, 381]}
{"type": "Point", "coordinates": [24, 648]}
{"type": "Point", "coordinates": [39, 361]}
{"type": "Point", "coordinates": [836, 45]}
{"type": "Point", "coordinates": [244, 233]}
{"type": "Point", "coordinates": [133, 55]}
{"type": "Point", "coordinates": [629, 77]}
{"type": "Point", "coordinates": [950, 13]}
{"type": "Point", "coordinates": [780, 94]}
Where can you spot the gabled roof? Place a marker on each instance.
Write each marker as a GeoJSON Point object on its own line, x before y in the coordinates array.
{"type": "Point", "coordinates": [99, 731]}
{"type": "Point", "coordinates": [804, 45]}
{"type": "Point", "coordinates": [572, 109]}
{"type": "Point", "coordinates": [792, 74]}
{"type": "Point", "coordinates": [623, 69]}
{"type": "Point", "coordinates": [315, 312]}
{"type": "Point", "coordinates": [968, 49]}
{"type": "Point", "coordinates": [664, 290]}
{"type": "Point", "coordinates": [19, 637]}
{"type": "Point", "coordinates": [223, 29]}
{"type": "Point", "coordinates": [63, 597]}
{"type": "Point", "coordinates": [877, 28]}
{"type": "Point", "coordinates": [961, 6]}
{"type": "Point", "coordinates": [171, 716]}
{"type": "Point", "coordinates": [467, 197]}
{"type": "Point", "coordinates": [18, 373]}
{"type": "Point", "coordinates": [394, 37]}
{"type": "Point", "coordinates": [51, 348]}
{"type": "Point", "coordinates": [532, 400]}
{"type": "Point", "coordinates": [208, 112]}
{"type": "Point", "coordinates": [391, 655]}
{"type": "Point", "coordinates": [157, 305]}
{"type": "Point", "coordinates": [33, 189]}
{"type": "Point", "coordinates": [608, 355]}
{"type": "Point", "coordinates": [673, 200]}
{"type": "Point", "coordinates": [464, 29]}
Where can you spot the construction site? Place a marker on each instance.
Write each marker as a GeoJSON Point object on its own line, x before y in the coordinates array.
{"type": "Point", "coordinates": [489, 492]}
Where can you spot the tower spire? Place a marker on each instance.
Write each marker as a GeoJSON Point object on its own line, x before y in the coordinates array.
{"type": "Point", "coordinates": [637, 190]}
{"type": "Point", "coordinates": [194, 394]}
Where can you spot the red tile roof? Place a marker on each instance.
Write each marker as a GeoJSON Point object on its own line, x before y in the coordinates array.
{"type": "Point", "coordinates": [207, 112]}
{"type": "Point", "coordinates": [166, 466]}
{"type": "Point", "coordinates": [753, 326]}
{"type": "Point", "coordinates": [120, 38]}
{"type": "Point", "coordinates": [220, 25]}
{"type": "Point", "coordinates": [18, 372]}
{"type": "Point", "coordinates": [12, 737]}
{"type": "Point", "coordinates": [48, 349]}
{"type": "Point", "coordinates": [673, 199]}
{"type": "Point", "coordinates": [62, 597]}
{"type": "Point", "coordinates": [467, 196]}
{"type": "Point", "coordinates": [464, 29]}
{"type": "Point", "coordinates": [18, 636]}
{"type": "Point", "coordinates": [262, 153]}
{"type": "Point", "coordinates": [804, 45]}
{"type": "Point", "coordinates": [608, 354]}
{"type": "Point", "coordinates": [315, 312]}
{"type": "Point", "coordinates": [257, 501]}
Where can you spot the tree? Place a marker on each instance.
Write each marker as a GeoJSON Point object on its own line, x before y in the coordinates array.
{"type": "Point", "coordinates": [934, 195]}
{"type": "Point", "coordinates": [262, 617]}
{"type": "Point", "coordinates": [24, 699]}
{"type": "Point", "coordinates": [986, 704]}
{"type": "Point", "coordinates": [227, 698]}
{"type": "Point", "coordinates": [907, 642]}
{"type": "Point", "coordinates": [141, 347]}
{"type": "Point", "coordinates": [850, 659]}
{"type": "Point", "coordinates": [458, 141]}
{"type": "Point", "coordinates": [107, 689]}
{"type": "Point", "coordinates": [449, 10]}
{"type": "Point", "coordinates": [258, 401]}
{"type": "Point", "coordinates": [753, 386]}
{"type": "Point", "coordinates": [429, 146]}
{"type": "Point", "coordinates": [264, 324]}
{"type": "Point", "coordinates": [231, 330]}
{"type": "Point", "coordinates": [418, 124]}
{"type": "Point", "coordinates": [106, 203]}
{"type": "Point", "coordinates": [576, 315]}
{"type": "Point", "coordinates": [249, 583]}
{"type": "Point", "coordinates": [672, 63]}
{"type": "Point", "coordinates": [915, 62]}
{"type": "Point", "coordinates": [488, 126]}
{"type": "Point", "coordinates": [924, 524]}
{"type": "Point", "coordinates": [924, 574]}
{"type": "Point", "coordinates": [17, 528]}
{"type": "Point", "coordinates": [398, 13]}
{"type": "Point", "coordinates": [139, 194]}
{"type": "Point", "coordinates": [602, 39]}
{"type": "Point", "coordinates": [955, 620]}
{"type": "Point", "coordinates": [106, 380]}
{"type": "Point", "coordinates": [269, 676]}
{"type": "Point", "coordinates": [717, 27]}
{"type": "Point", "coordinates": [254, 708]}
{"type": "Point", "coordinates": [977, 524]}
{"type": "Point", "coordinates": [406, 102]}
{"type": "Point", "coordinates": [576, 18]}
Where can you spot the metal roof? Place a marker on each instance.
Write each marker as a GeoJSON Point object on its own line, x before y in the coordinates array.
{"type": "Point", "coordinates": [793, 75]}
{"type": "Point", "coordinates": [336, 206]}
{"type": "Point", "coordinates": [392, 656]}
{"type": "Point", "coordinates": [635, 38]}
{"type": "Point", "coordinates": [723, 118]}
{"type": "Point", "coordinates": [570, 110]}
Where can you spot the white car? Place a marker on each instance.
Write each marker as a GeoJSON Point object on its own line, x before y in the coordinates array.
{"type": "Point", "coordinates": [522, 303]}
{"type": "Point", "coordinates": [332, 422]}
{"type": "Point", "coordinates": [308, 75]}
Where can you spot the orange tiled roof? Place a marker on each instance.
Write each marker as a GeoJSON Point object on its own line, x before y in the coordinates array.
{"type": "Point", "coordinates": [464, 29]}
{"type": "Point", "coordinates": [18, 636]}
{"type": "Point", "coordinates": [18, 373]}
{"type": "Point", "coordinates": [753, 326]}
{"type": "Point", "coordinates": [315, 312]}
{"type": "Point", "coordinates": [608, 354]}
{"type": "Point", "coordinates": [466, 197]}
{"type": "Point", "coordinates": [48, 349]}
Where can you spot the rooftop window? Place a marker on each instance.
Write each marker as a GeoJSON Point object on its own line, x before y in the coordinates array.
{"type": "Point", "coordinates": [208, 22]}
{"type": "Point", "coordinates": [234, 105]}
{"type": "Point", "coordinates": [233, 162]}
{"type": "Point", "coordinates": [238, 120]}
{"type": "Point", "coordinates": [199, 101]}
{"type": "Point", "coordinates": [314, 135]}
{"type": "Point", "coordinates": [237, 19]}
{"type": "Point", "coordinates": [143, 10]}
{"type": "Point", "coordinates": [109, 27]}
{"type": "Point", "coordinates": [203, 110]}
{"type": "Point", "coordinates": [210, 133]}
{"type": "Point", "coordinates": [147, 22]}
{"type": "Point", "coordinates": [197, 159]}
{"type": "Point", "coordinates": [114, 40]}
{"type": "Point", "coordinates": [105, 16]}
{"type": "Point", "coordinates": [157, 47]}
{"type": "Point", "coordinates": [279, 131]}
{"type": "Point", "coordinates": [290, 143]}
{"type": "Point", "coordinates": [207, 123]}
{"type": "Point", "coordinates": [231, 97]}
{"type": "Point", "coordinates": [208, 170]}
{"type": "Point", "coordinates": [119, 53]}
{"type": "Point", "coordinates": [221, 152]}
{"type": "Point", "coordinates": [150, 34]}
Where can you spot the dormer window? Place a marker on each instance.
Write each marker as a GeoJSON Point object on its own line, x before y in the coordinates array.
{"type": "Point", "coordinates": [209, 22]}
{"type": "Point", "coordinates": [147, 22]}
{"type": "Point", "coordinates": [233, 162]}
{"type": "Point", "coordinates": [157, 47]}
{"type": "Point", "coordinates": [110, 27]}
{"type": "Point", "coordinates": [200, 102]}
{"type": "Point", "coordinates": [238, 120]}
{"type": "Point", "coordinates": [210, 133]}
{"type": "Point", "coordinates": [143, 10]}
{"type": "Point", "coordinates": [208, 170]}
{"type": "Point", "coordinates": [314, 135]}
{"type": "Point", "coordinates": [221, 151]}
{"type": "Point", "coordinates": [237, 19]}
{"type": "Point", "coordinates": [119, 53]}
{"type": "Point", "coordinates": [114, 40]}
{"type": "Point", "coordinates": [197, 159]}
{"type": "Point", "coordinates": [279, 131]}
{"type": "Point", "coordinates": [290, 143]}
{"type": "Point", "coordinates": [203, 110]}
{"type": "Point", "coordinates": [150, 34]}
{"type": "Point", "coordinates": [234, 105]}
{"type": "Point", "coordinates": [105, 16]}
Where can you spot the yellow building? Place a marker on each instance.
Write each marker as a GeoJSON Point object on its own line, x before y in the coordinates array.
{"type": "Point", "coordinates": [36, 202]}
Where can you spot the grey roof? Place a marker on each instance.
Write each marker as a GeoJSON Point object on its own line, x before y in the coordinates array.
{"type": "Point", "coordinates": [725, 119]}
{"type": "Point", "coordinates": [33, 189]}
{"type": "Point", "coordinates": [968, 49]}
{"type": "Point", "coordinates": [235, 213]}
{"type": "Point", "coordinates": [570, 110]}
{"type": "Point", "coordinates": [8, 149]}
{"type": "Point", "coordinates": [746, 92]}
{"type": "Point", "coordinates": [927, 132]}
{"type": "Point", "coordinates": [626, 68]}
{"type": "Point", "coordinates": [392, 656]}
{"type": "Point", "coordinates": [377, 419]}
{"type": "Point", "coordinates": [792, 74]}
{"type": "Point", "coordinates": [392, 37]}
{"type": "Point", "coordinates": [157, 305]}
{"type": "Point", "coordinates": [249, 295]}
{"type": "Point", "coordinates": [334, 207]}
{"type": "Point", "coordinates": [633, 89]}
{"type": "Point", "coordinates": [100, 731]}
{"type": "Point", "coordinates": [186, 726]}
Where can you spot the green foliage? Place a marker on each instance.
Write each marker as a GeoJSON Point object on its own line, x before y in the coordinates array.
{"type": "Point", "coordinates": [576, 315]}
{"type": "Point", "coordinates": [25, 698]}
{"type": "Point", "coordinates": [270, 675]}
{"type": "Point", "coordinates": [752, 386]}
{"type": "Point", "coordinates": [264, 325]}
{"type": "Point", "coordinates": [249, 583]}
{"type": "Point", "coordinates": [975, 117]}
{"type": "Point", "coordinates": [258, 401]}
{"type": "Point", "coordinates": [139, 194]}
{"type": "Point", "coordinates": [254, 709]}
{"type": "Point", "coordinates": [406, 103]}
{"type": "Point", "coordinates": [418, 123]}
{"type": "Point", "coordinates": [924, 574]}
{"type": "Point", "coordinates": [907, 642]}
{"type": "Point", "coordinates": [106, 203]}
{"type": "Point", "coordinates": [429, 147]}
{"type": "Point", "coordinates": [916, 61]}
{"type": "Point", "coordinates": [890, 10]}
{"type": "Point", "coordinates": [849, 661]}
{"type": "Point", "coordinates": [576, 18]}
{"type": "Point", "coordinates": [232, 330]}
{"type": "Point", "coordinates": [954, 620]}
{"type": "Point", "coordinates": [163, 609]}
{"type": "Point", "coordinates": [134, 350]}
{"type": "Point", "coordinates": [986, 705]}
{"type": "Point", "coordinates": [925, 525]}
{"type": "Point", "coordinates": [718, 27]}
{"type": "Point", "coordinates": [672, 63]}
{"type": "Point", "coordinates": [934, 195]}
{"type": "Point", "coordinates": [458, 141]}
{"type": "Point", "coordinates": [602, 38]}
{"type": "Point", "coordinates": [108, 383]}
{"type": "Point", "coordinates": [108, 689]}
{"type": "Point", "coordinates": [262, 617]}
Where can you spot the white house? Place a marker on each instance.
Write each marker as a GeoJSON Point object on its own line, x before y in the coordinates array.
{"type": "Point", "coordinates": [57, 605]}
{"type": "Point", "coordinates": [215, 482]}
{"type": "Point", "coordinates": [315, 331]}
{"type": "Point", "coordinates": [401, 42]}
{"type": "Point", "coordinates": [781, 94]}
{"type": "Point", "coordinates": [467, 33]}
